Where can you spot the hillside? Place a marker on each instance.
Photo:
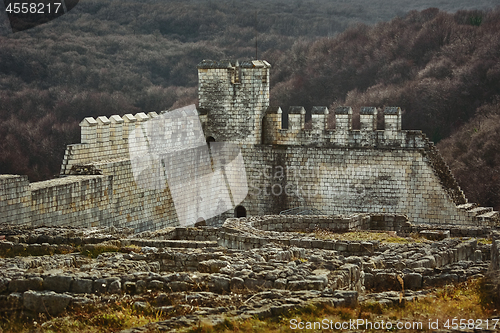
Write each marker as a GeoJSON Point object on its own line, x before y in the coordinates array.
{"type": "Point", "coordinates": [473, 153]}
{"type": "Point", "coordinates": [438, 67]}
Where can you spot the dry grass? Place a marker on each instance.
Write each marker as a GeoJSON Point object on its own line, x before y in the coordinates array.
{"type": "Point", "coordinates": [470, 300]}
{"type": "Point", "coordinates": [109, 317]}
{"type": "Point", "coordinates": [383, 236]}
{"type": "Point", "coordinates": [463, 301]}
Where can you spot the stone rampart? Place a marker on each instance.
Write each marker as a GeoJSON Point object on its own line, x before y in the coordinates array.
{"type": "Point", "coordinates": [15, 200]}
{"type": "Point", "coordinates": [349, 180]}
{"type": "Point", "coordinates": [335, 180]}
{"type": "Point", "coordinates": [77, 200]}
{"type": "Point", "coordinates": [292, 128]}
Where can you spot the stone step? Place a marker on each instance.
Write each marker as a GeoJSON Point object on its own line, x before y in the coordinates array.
{"type": "Point", "coordinates": [467, 206]}
{"type": "Point", "coordinates": [171, 243]}
{"type": "Point", "coordinates": [480, 210]}
{"type": "Point", "coordinates": [492, 216]}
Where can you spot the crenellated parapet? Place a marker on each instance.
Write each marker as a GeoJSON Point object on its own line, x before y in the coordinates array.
{"type": "Point", "coordinates": [299, 127]}
{"type": "Point", "coordinates": [103, 138]}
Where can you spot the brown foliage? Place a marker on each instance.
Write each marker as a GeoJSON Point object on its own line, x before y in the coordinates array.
{"type": "Point", "coordinates": [438, 67]}
{"type": "Point", "coordinates": [473, 154]}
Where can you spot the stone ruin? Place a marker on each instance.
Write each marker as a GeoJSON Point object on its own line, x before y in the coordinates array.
{"type": "Point", "coordinates": [255, 266]}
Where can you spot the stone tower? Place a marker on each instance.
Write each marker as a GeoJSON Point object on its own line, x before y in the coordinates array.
{"type": "Point", "coordinates": [233, 98]}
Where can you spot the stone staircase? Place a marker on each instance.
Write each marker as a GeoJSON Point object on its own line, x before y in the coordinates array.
{"type": "Point", "coordinates": [443, 172]}
{"type": "Point", "coordinates": [479, 215]}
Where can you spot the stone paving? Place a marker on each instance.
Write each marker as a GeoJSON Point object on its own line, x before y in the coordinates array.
{"type": "Point", "coordinates": [195, 279]}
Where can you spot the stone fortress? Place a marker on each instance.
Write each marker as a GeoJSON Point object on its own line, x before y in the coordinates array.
{"type": "Point", "coordinates": [300, 158]}
{"type": "Point", "coordinates": [95, 236]}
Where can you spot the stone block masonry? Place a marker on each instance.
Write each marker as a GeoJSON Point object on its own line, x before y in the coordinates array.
{"type": "Point", "coordinates": [292, 159]}
{"type": "Point", "coordinates": [82, 201]}
{"type": "Point", "coordinates": [348, 180]}
{"type": "Point", "coordinates": [15, 200]}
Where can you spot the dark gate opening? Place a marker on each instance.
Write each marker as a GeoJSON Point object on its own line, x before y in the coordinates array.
{"type": "Point", "coordinates": [240, 211]}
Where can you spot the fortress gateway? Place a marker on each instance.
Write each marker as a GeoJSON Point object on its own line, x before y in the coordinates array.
{"type": "Point", "coordinates": [293, 159]}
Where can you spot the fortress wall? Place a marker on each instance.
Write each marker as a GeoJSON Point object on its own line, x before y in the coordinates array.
{"type": "Point", "coordinates": [14, 199]}
{"type": "Point", "coordinates": [88, 200]}
{"type": "Point", "coordinates": [75, 200]}
{"type": "Point", "coordinates": [80, 201]}
{"type": "Point", "coordinates": [341, 181]}
{"type": "Point", "coordinates": [398, 176]}
{"type": "Point", "coordinates": [105, 147]}
{"type": "Point", "coordinates": [103, 139]}
{"type": "Point", "coordinates": [136, 207]}
{"type": "Point", "coordinates": [293, 159]}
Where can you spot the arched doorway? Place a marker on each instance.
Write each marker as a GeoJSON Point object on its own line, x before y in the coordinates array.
{"type": "Point", "coordinates": [240, 211]}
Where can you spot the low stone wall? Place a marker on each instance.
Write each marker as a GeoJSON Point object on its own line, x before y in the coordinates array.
{"type": "Point", "coordinates": [207, 234]}
{"type": "Point", "coordinates": [15, 199]}
{"type": "Point", "coordinates": [309, 223]}
{"type": "Point", "coordinates": [255, 232]}
{"type": "Point", "coordinates": [83, 201]}
{"type": "Point", "coordinates": [454, 231]}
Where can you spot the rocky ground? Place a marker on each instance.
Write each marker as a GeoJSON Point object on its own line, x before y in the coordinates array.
{"type": "Point", "coordinates": [186, 274]}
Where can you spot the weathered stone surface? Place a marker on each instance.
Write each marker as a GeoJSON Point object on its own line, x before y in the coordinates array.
{"type": "Point", "coordinates": [280, 283]}
{"type": "Point", "coordinates": [237, 283]}
{"type": "Point", "coordinates": [58, 283]}
{"type": "Point", "coordinates": [212, 266]}
{"type": "Point", "coordinates": [412, 281]}
{"type": "Point", "coordinates": [82, 286]}
{"type": "Point", "coordinates": [176, 286]}
{"type": "Point", "coordinates": [21, 285]}
{"type": "Point", "coordinates": [129, 287]}
{"type": "Point", "coordinates": [158, 285]}
{"type": "Point", "coordinates": [220, 283]}
{"type": "Point", "coordinates": [257, 284]}
{"type": "Point", "coordinates": [387, 281]}
{"type": "Point", "coordinates": [140, 286]}
{"type": "Point", "coordinates": [46, 302]}
{"type": "Point", "coordinates": [115, 287]}
{"type": "Point", "coordinates": [350, 297]}
{"type": "Point", "coordinates": [100, 286]}
{"type": "Point", "coordinates": [369, 281]}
